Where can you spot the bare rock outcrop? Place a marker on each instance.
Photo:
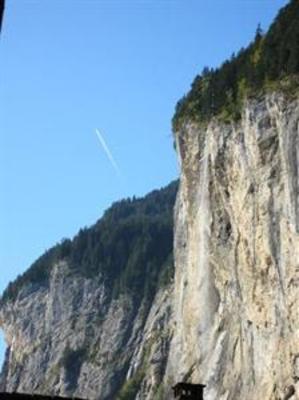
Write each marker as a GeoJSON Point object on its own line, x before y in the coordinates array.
{"type": "Point", "coordinates": [236, 295]}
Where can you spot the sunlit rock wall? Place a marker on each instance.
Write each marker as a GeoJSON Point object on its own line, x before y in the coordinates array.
{"type": "Point", "coordinates": [231, 318]}
{"type": "Point", "coordinates": [236, 296]}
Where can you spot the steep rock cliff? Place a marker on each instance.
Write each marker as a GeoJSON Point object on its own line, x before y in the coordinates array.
{"type": "Point", "coordinates": [236, 295]}
{"type": "Point", "coordinates": [231, 318]}
{"type": "Point", "coordinates": [90, 318]}
{"type": "Point", "coordinates": [100, 316]}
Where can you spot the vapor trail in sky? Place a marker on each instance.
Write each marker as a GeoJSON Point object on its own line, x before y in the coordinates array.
{"type": "Point", "coordinates": [108, 152]}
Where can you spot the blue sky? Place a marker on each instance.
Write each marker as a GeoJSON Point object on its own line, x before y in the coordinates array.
{"type": "Point", "coordinates": [70, 66]}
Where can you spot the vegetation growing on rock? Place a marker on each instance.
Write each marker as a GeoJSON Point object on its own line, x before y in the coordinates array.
{"type": "Point", "coordinates": [270, 61]}
{"type": "Point", "coordinates": [130, 247]}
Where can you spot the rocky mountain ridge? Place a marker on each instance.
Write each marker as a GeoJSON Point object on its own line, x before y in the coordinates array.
{"type": "Point", "coordinates": [106, 316]}
{"type": "Point", "coordinates": [230, 318]}
{"type": "Point", "coordinates": [81, 321]}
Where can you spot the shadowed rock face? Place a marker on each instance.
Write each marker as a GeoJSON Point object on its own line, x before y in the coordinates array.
{"type": "Point", "coordinates": [90, 318]}
{"type": "Point", "coordinates": [236, 295]}
{"type": "Point", "coordinates": [69, 340]}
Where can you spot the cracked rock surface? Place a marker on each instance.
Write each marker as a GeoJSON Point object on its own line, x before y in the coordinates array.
{"type": "Point", "coordinates": [236, 295]}
{"type": "Point", "coordinates": [230, 320]}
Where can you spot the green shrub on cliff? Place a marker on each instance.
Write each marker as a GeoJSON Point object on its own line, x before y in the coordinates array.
{"type": "Point", "coordinates": [131, 387]}
{"type": "Point", "coordinates": [269, 59]}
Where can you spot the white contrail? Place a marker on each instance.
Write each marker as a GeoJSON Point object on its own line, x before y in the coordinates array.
{"type": "Point", "coordinates": [108, 152]}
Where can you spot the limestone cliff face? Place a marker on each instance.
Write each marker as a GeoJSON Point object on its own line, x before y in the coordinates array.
{"type": "Point", "coordinates": [236, 295]}
{"type": "Point", "coordinates": [70, 339]}
{"type": "Point", "coordinates": [230, 320]}
{"type": "Point", "coordinates": [91, 317]}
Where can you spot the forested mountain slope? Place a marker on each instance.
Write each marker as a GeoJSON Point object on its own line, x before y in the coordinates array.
{"type": "Point", "coordinates": [76, 320]}
{"type": "Point", "coordinates": [101, 317]}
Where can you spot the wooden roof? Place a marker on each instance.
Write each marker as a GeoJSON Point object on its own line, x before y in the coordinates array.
{"type": "Point", "coordinates": [184, 385]}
